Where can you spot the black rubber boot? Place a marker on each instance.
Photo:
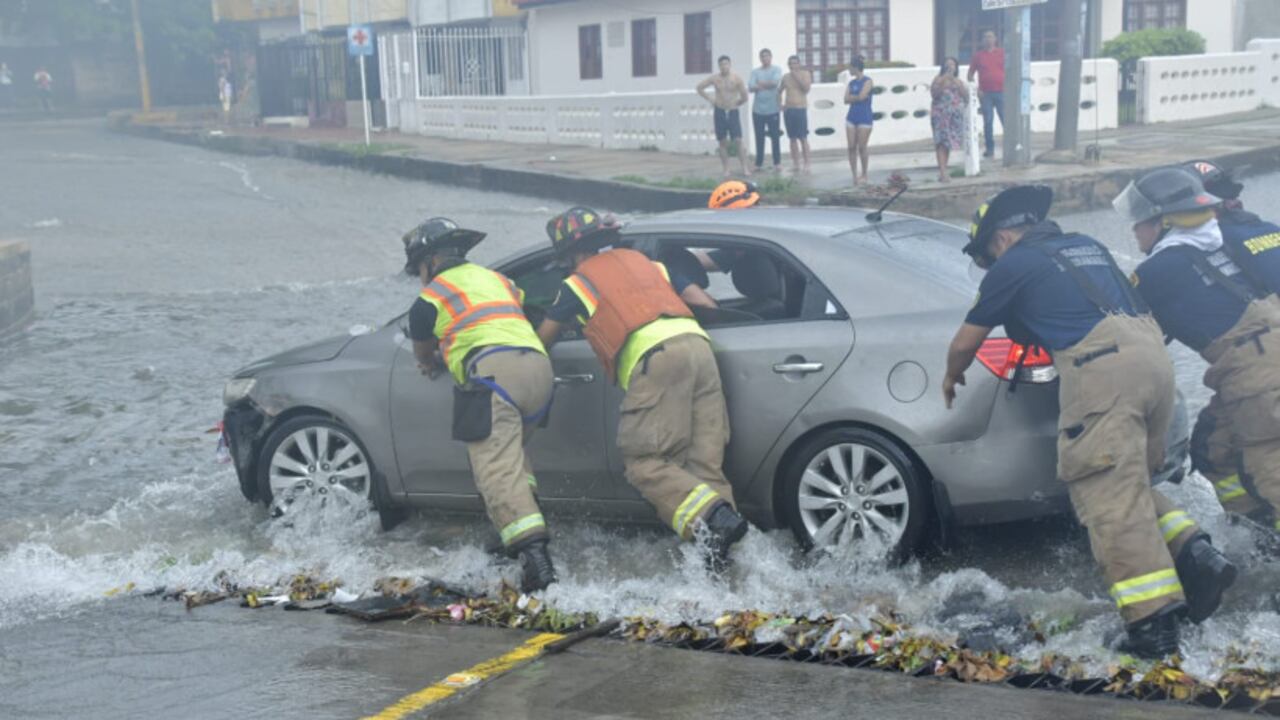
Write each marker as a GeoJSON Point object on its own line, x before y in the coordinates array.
{"type": "Point", "coordinates": [493, 545]}
{"type": "Point", "coordinates": [535, 560]}
{"type": "Point", "coordinates": [722, 528]}
{"type": "Point", "coordinates": [1205, 574]}
{"type": "Point", "coordinates": [1154, 637]}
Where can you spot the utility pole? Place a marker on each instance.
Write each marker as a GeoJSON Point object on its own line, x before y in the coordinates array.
{"type": "Point", "coordinates": [1075, 14]}
{"type": "Point", "coordinates": [141, 49]}
{"type": "Point", "coordinates": [1017, 86]}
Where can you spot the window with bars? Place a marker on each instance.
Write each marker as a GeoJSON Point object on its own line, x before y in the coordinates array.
{"type": "Point", "coordinates": [1143, 14]}
{"type": "Point", "coordinates": [1046, 29]}
{"type": "Point", "coordinates": [697, 43]}
{"type": "Point", "coordinates": [644, 48]}
{"type": "Point", "coordinates": [590, 54]}
{"type": "Point", "coordinates": [829, 33]}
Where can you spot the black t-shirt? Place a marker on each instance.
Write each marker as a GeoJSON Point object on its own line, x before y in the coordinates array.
{"type": "Point", "coordinates": [1191, 307]}
{"type": "Point", "coordinates": [422, 321]}
{"type": "Point", "coordinates": [1037, 301]}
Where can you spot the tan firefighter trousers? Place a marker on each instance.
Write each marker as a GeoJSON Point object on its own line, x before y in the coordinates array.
{"type": "Point", "coordinates": [673, 430]}
{"type": "Point", "coordinates": [1244, 445]}
{"type": "Point", "coordinates": [502, 471]}
{"type": "Point", "coordinates": [1117, 398]}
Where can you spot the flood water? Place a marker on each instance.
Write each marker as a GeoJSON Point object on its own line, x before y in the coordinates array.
{"type": "Point", "coordinates": [160, 269]}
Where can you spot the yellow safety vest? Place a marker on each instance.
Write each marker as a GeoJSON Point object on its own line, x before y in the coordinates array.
{"type": "Point", "coordinates": [644, 338]}
{"type": "Point", "coordinates": [477, 307]}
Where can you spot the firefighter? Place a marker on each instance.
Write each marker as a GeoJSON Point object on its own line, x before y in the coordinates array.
{"type": "Point", "coordinates": [469, 321]}
{"type": "Point", "coordinates": [1063, 292]}
{"type": "Point", "coordinates": [1252, 242]}
{"type": "Point", "coordinates": [1206, 300]}
{"type": "Point", "coordinates": [674, 425]}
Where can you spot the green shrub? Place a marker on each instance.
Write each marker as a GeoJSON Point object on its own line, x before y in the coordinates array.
{"type": "Point", "coordinates": [1127, 48]}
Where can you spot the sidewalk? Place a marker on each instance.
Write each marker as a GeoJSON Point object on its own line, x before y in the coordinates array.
{"type": "Point", "coordinates": [651, 181]}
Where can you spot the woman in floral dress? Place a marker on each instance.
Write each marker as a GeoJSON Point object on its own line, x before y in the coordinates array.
{"type": "Point", "coordinates": [950, 99]}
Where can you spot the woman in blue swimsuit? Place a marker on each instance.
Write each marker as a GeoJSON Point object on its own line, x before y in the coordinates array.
{"type": "Point", "coordinates": [858, 122]}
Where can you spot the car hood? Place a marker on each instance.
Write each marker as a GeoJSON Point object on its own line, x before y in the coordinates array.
{"type": "Point", "coordinates": [321, 351]}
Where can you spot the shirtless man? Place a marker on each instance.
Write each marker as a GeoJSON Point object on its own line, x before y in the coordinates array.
{"type": "Point", "coordinates": [795, 110]}
{"type": "Point", "coordinates": [731, 94]}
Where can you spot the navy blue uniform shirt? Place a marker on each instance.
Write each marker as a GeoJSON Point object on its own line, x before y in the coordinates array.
{"type": "Point", "coordinates": [1192, 308]}
{"type": "Point", "coordinates": [1040, 303]}
{"type": "Point", "coordinates": [1255, 244]}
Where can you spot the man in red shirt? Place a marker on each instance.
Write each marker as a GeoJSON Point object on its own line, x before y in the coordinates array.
{"type": "Point", "coordinates": [988, 64]}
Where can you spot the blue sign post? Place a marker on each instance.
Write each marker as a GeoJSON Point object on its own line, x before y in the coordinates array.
{"type": "Point", "coordinates": [360, 44]}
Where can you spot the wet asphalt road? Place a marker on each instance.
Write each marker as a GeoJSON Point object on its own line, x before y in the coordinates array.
{"type": "Point", "coordinates": [159, 270]}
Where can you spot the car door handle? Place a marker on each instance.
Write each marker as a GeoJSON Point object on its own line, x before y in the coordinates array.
{"type": "Point", "coordinates": [801, 368]}
{"type": "Point", "coordinates": [582, 379]}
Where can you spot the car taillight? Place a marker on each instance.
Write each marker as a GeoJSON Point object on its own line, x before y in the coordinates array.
{"type": "Point", "coordinates": [1001, 356]}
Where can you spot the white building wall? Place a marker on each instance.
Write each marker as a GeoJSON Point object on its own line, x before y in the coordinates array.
{"type": "Point", "coordinates": [1215, 20]}
{"type": "Point", "coordinates": [436, 12]}
{"type": "Point", "coordinates": [911, 31]}
{"type": "Point", "coordinates": [553, 41]}
{"type": "Point", "coordinates": [1111, 19]}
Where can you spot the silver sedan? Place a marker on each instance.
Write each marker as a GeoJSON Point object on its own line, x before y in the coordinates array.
{"type": "Point", "coordinates": [831, 343]}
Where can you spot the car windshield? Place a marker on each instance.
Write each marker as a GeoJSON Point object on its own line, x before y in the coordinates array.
{"type": "Point", "coordinates": [928, 249]}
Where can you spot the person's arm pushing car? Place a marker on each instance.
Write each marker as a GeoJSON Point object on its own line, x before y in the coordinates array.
{"type": "Point", "coordinates": [964, 346]}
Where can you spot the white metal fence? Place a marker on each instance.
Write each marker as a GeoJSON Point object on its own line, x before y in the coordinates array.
{"type": "Point", "coordinates": [679, 121]}
{"type": "Point", "coordinates": [466, 61]}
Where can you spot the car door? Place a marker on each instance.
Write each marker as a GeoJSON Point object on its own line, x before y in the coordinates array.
{"type": "Point", "coordinates": [769, 368]}
{"type": "Point", "coordinates": [568, 455]}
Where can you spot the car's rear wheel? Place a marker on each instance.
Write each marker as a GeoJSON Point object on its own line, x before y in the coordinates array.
{"type": "Point", "coordinates": [849, 485]}
{"type": "Point", "coordinates": [315, 458]}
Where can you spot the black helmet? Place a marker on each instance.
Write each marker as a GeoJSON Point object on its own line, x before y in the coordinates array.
{"type": "Point", "coordinates": [1163, 191]}
{"type": "Point", "coordinates": [581, 228]}
{"type": "Point", "coordinates": [1018, 205]}
{"type": "Point", "coordinates": [1215, 179]}
{"type": "Point", "coordinates": [437, 236]}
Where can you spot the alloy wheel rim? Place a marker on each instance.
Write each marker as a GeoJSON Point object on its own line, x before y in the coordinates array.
{"type": "Point", "coordinates": [318, 461]}
{"type": "Point", "coordinates": [850, 492]}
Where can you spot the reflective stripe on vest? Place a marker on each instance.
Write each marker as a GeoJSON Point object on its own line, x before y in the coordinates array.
{"type": "Point", "coordinates": [476, 307]}
{"type": "Point", "coordinates": [1173, 523]}
{"type": "Point", "coordinates": [1146, 587]}
{"type": "Point", "coordinates": [522, 526]}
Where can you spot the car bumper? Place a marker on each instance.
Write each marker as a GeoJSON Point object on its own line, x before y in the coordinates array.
{"type": "Point", "coordinates": [243, 425]}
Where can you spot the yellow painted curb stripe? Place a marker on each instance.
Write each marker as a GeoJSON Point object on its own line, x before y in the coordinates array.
{"type": "Point", "coordinates": [410, 704]}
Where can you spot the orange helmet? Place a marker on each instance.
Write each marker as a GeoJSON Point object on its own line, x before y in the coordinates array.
{"type": "Point", "coordinates": [733, 195]}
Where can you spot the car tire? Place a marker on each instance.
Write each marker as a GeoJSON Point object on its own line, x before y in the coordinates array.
{"type": "Point", "coordinates": [829, 498]}
{"type": "Point", "coordinates": [313, 454]}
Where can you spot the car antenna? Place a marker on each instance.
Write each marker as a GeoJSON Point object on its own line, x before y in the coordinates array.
{"type": "Point", "coordinates": [878, 215]}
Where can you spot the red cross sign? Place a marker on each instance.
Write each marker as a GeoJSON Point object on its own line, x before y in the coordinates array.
{"type": "Point", "coordinates": [359, 40]}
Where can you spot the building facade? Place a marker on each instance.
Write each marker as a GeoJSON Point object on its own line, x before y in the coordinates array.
{"type": "Point", "coordinates": [585, 46]}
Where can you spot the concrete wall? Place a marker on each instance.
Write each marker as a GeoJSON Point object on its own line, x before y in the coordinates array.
{"type": "Point", "coordinates": [1256, 19]}
{"type": "Point", "coordinates": [17, 301]}
{"type": "Point", "coordinates": [911, 31]}
{"type": "Point", "coordinates": [553, 42]}
{"type": "Point", "coordinates": [436, 12]}
{"type": "Point", "coordinates": [677, 121]}
{"type": "Point", "coordinates": [1269, 67]}
{"type": "Point", "coordinates": [1187, 87]}
{"type": "Point", "coordinates": [340, 13]}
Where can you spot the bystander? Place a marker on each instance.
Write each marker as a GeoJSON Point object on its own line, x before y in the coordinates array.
{"type": "Point", "coordinates": [766, 85]}
{"type": "Point", "coordinates": [950, 99]}
{"type": "Point", "coordinates": [44, 88]}
{"type": "Point", "coordinates": [795, 111]}
{"type": "Point", "coordinates": [858, 122]}
{"type": "Point", "coordinates": [730, 94]}
{"type": "Point", "coordinates": [988, 65]}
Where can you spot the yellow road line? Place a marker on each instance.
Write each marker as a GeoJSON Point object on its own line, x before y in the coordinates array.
{"type": "Point", "coordinates": [471, 676]}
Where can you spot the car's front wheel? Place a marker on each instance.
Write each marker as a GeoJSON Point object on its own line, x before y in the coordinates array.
{"type": "Point", "coordinates": [849, 485]}
{"type": "Point", "coordinates": [313, 458]}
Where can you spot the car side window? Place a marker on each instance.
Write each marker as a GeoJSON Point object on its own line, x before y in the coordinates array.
{"type": "Point", "coordinates": [749, 281]}
{"type": "Point", "coordinates": [540, 277]}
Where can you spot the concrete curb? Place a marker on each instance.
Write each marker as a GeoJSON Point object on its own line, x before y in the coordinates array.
{"type": "Point", "coordinates": [620, 196]}
{"type": "Point", "coordinates": [17, 298]}
{"type": "Point", "coordinates": [1081, 191]}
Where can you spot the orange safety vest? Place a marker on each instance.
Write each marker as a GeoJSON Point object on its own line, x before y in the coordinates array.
{"type": "Point", "coordinates": [623, 291]}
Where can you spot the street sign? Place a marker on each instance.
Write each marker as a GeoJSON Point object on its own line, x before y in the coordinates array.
{"type": "Point", "coordinates": [359, 41]}
{"type": "Point", "coordinates": [1002, 4]}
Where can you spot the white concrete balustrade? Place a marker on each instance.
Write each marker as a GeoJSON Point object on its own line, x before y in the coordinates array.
{"type": "Point", "coordinates": [1268, 70]}
{"type": "Point", "coordinates": [1188, 87]}
{"type": "Point", "coordinates": [678, 121]}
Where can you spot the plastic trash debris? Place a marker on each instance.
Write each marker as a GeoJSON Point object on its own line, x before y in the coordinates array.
{"type": "Point", "coordinates": [342, 596]}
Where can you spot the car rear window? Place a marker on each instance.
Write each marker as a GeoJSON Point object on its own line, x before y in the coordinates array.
{"type": "Point", "coordinates": [928, 249]}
